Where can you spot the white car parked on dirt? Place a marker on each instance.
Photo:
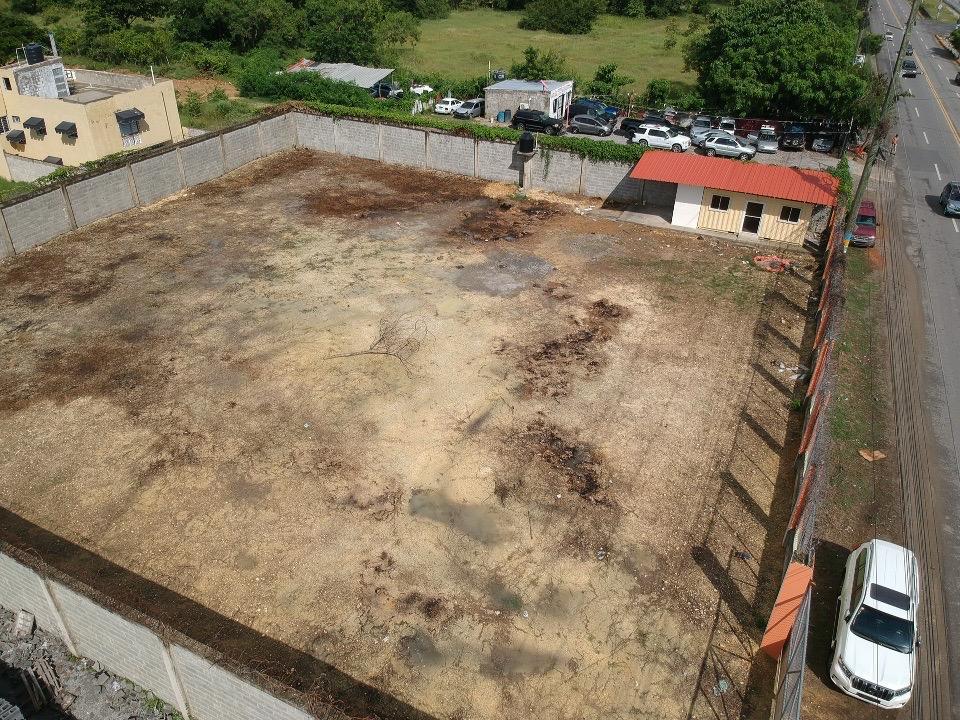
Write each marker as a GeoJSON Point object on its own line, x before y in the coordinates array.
{"type": "Point", "coordinates": [873, 657]}
{"type": "Point", "coordinates": [447, 106]}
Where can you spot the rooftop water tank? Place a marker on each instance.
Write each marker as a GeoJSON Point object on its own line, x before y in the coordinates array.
{"type": "Point", "coordinates": [34, 53]}
{"type": "Point", "coordinates": [527, 144]}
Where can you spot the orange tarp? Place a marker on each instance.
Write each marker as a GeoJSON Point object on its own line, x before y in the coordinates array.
{"type": "Point", "coordinates": [789, 599]}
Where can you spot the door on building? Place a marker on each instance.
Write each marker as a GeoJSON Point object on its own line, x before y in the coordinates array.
{"type": "Point", "coordinates": [752, 217]}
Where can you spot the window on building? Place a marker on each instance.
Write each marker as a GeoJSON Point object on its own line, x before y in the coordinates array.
{"type": "Point", "coordinates": [790, 214]}
{"type": "Point", "coordinates": [6, 84]}
{"type": "Point", "coordinates": [15, 118]}
{"type": "Point", "coordinates": [129, 127]}
{"type": "Point", "coordinates": [4, 126]}
{"type": "Point", "coordinates": [720, 202]}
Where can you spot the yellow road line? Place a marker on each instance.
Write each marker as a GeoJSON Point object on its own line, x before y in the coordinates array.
{"type": "Point", "coordinates": [926, 76]}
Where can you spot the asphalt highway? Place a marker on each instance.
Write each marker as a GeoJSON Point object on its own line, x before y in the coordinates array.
{"type": "Point", "coordinates": [921, 249]}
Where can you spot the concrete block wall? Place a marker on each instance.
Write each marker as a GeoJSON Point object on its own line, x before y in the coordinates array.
{"type": "Point", "coordinates": [6, 245]}
{"type": "Point", "coordinates": [358, 139]}
{"type": "Point", "coordinates": [198, 688]}
{"type": "Point", "coordinates": [610, 181]}
{"type": "Point", "coordinates": [499, 162]}
{"type": "Point", "coordinates": [202, 161]}
{"type": "Point", "coordinates": [22, 589]}
{"type": "Point", "coordinates": [125, 648]}
{"type": "Point", "coordinates": [212, 692]}
{"type": "Point", "coordinates": [451, 153]}
{"type": "Point", "coordinates": [403, 146]}
{"type": "Point", "coordinates": [101, 196]}
{"type": "Point", "coordinates": [157, 177]}
{"type": "Point", "coordinates": [26, 169]}
{"type": "Point", "coordinates": [240, 147]}
{"type": "Point", "coordinates": [315, 132]}
{"type": "Point", "coordinates": [561, 173]}
{"type": "Point", "coordinates": [37, 219]}
{"type": "Point", "coordinates": [277, 133]}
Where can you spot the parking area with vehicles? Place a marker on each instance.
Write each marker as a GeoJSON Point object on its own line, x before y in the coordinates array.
{"type": "Point", "coordinates": [479, 451]}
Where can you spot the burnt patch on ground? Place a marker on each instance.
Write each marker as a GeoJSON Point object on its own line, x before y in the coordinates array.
{"type": "Point", "coordinates": [549, 367]}
{"type": "Point", "coordinates": [394, 189]}
{"type": "Point", "coordinates": [578, 462]}
{"type": "Point", "coordinates": [505, 221]}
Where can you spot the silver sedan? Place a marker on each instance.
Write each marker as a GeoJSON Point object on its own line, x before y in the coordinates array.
{"type": "Point", "coordinates": [729, 147]}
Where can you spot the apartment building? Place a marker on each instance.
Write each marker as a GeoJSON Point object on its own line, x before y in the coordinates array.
{"type": "Point", "coordinates": [52, 116]}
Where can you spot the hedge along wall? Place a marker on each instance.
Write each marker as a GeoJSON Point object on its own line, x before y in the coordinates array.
{"type": "Point", "coordinates": [567, 165]}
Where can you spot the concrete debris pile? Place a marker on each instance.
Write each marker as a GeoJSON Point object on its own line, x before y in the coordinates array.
{"type": "Point", "coordinates": [38, 673]}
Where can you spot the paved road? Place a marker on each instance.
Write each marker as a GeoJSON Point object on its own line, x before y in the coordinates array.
{"type": "Point", "coordinates": [922, 250]}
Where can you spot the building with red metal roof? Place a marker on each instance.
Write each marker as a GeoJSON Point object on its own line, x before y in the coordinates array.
{"type": "Point", "coordinates": [772, 202]}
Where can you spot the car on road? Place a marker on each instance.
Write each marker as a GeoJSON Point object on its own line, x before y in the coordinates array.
{"type": "Point", "coordinates": [420, 89]}
{"type": "Point", "coordinates": [447, 106]}
{"type": "Point", "coordinates": [950, 199]}
{"type": "Point", "coordinates": [765, 140]}
{"type": "Point", "coordinates": [729, 146]}
{"type": "Point", "coordinates": [590, 125]}
{"type": "Point", "coordinates": [701, 141]}
{"type": "Point", "coordinates": [661, 136]}
{"type": "Point", "coordinates": [889, 36]}
{"type": "Point", "coordinates": [865, 225]}
{"type": "Point", "coordinates": [909, 68]}
{"type": "Point", "coordinates": [470, 109]}
{"type": "Point", "coordinates": [909, 49]}
{"type": "Point", "coordinates": [859, 60]}
{"type": "Point", "coordinates": [536, 120]}
{"type": "Point", "coordinates": [793, 137]}
{"type": "Point", "coordinates": [876, 633]}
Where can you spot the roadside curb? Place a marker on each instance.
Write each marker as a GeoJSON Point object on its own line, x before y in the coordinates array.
{"type": "Point", "coordinates": [948, 47]}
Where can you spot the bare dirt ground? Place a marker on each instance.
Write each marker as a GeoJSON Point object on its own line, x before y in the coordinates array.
{"type": "Point", "coordinates": [490, 456]}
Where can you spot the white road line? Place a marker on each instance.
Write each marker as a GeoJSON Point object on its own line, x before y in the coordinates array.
{"type": "Point", "coordinates": [925, 137]}
{"type": "Point", "coordinates": [938, 171]}
{"type": "Point", "coordinates": [954, 221]}
{"type": "Point", "coordinates": [917, 111]}
{"type": "Point", "coordinates": [939, 67]}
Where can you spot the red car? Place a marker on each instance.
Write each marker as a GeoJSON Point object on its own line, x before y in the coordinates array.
{"type": "Point", "coordinates": [865, 230]}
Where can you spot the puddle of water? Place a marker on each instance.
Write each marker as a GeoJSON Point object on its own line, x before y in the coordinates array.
{"type": "Point", "coordinates": [419, 649]}
{"type": "Point", "coordinates": [502, 597]}
{"type": "Point", "coordinates": [515, 660]}
{"type": "Point", "coordinates": [504, 273]}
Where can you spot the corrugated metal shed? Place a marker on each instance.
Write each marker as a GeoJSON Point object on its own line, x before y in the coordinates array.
{"type": "Point", "coordinates": [365, 77]}
{"type": "Point", "coordinates": [531, 85]}
{"type": "Point", "coordinates": [773, 181]}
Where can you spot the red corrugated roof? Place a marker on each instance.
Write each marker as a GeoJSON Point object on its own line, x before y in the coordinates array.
{"type": "Point", "coordinates": [808, 186]}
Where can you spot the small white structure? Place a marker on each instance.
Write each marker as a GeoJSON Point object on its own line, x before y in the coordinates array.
{"type": "Point", "coordinates": [550, 96]}
{"type": "Point", "coordinates": [365, 77]}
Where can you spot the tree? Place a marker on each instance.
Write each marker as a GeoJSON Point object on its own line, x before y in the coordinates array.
{"type": "Point", "coordinates": [607, 82]}
{"type": "Point", "coordinates": [769, 58]}
{"type": "Point", "coordinates": [427, 9]}
{"type": "Point", "coordinates": [570, 17]}
{"type": "Point", "coordinates": [871, 43]}
{"type": "Point", "coordinates": [243, 24]}
{"type": "Point", "coordinates": [16, 30]}
{"type": "Point", "coordinates": [356, 31]}
{"type": "Point", "coordinates": [537, 65]}
{"type": "Point", "coordinates": [122, 11]}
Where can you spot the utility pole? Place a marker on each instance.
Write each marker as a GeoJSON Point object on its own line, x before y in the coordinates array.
{"type": "Point", "coordinates": [888, 99]}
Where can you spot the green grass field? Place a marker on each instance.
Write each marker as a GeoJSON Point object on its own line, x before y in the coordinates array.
{"type": "Point", "coordinates": [462, 45]}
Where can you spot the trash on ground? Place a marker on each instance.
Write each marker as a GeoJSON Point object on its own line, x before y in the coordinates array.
{"type": "Point", "coordinates": [871, 455]}
{"type": "Point", "coordinates": [772, 263]}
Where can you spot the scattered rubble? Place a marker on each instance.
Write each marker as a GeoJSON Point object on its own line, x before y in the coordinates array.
{"type": "Point", "coordinates": [37, 673]}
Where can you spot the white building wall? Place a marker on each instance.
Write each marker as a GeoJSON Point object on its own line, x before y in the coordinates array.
{"type": "Point", "coordinates": [686, 208]}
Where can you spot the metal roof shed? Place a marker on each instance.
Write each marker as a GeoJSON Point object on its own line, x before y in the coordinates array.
{"type": "Point", "coordinates": [550, 96]}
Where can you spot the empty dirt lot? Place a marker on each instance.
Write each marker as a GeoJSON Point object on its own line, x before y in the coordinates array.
{"type": "Point", "coordinates": [490, 456]}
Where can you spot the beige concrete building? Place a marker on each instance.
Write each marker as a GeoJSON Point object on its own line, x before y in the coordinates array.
{"type": "Point", "coordinates": [769, 202]}
{"type": "Point", "coordinates": [51, 116]}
